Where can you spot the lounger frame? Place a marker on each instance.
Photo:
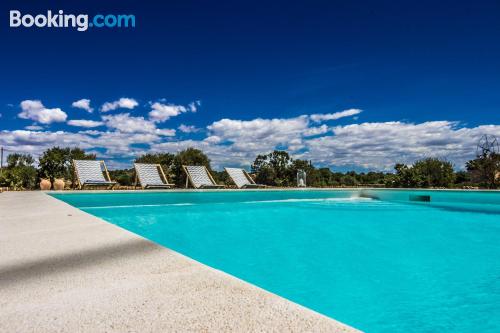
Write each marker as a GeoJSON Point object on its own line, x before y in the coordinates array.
{"type": "Point", "coordinates": [151, 186]}
{"type": "Point", "coordinates": [204, 186]}
{"type": "Point", "coordinates": [249, 178]}
{"type": "Point", "coordinates": [109, 183]}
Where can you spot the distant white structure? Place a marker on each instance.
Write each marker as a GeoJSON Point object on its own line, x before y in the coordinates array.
{"type": "Point", "coordinates": [301, 178]}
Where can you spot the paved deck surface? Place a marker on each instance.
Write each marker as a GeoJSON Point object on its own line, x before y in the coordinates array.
{"type": "Point", "coordinates": [62, 270]}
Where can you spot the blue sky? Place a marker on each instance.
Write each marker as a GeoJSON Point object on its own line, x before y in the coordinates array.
{"type": "Point", "coordinates": [423, 77]}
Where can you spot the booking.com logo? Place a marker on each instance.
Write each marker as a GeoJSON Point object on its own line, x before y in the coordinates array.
{"type": "Point", "coordinates": [61, 20]}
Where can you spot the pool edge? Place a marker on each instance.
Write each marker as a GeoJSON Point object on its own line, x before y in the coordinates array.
{"type": "Point", "coordinates": [21, 216]}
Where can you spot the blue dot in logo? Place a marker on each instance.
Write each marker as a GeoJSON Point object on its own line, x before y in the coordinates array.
{"type": "Point", "coordinates": [91, 24]}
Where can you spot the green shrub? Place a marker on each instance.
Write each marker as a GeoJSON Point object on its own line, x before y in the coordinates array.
{"type": "Point", "coordinates": [125, 177]}
{"type": "Point", "coordinates": [20, 174]}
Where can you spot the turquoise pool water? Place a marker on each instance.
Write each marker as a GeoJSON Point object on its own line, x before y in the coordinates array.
{"type": "Point", "coordinates": [380, 265]}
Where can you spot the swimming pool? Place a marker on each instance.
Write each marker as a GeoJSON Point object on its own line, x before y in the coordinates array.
{"type": "Point", "coordinates": [379, 260]}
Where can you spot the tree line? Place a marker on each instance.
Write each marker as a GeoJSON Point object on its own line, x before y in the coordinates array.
{"type": "Point", "coordinates": [277, 168]}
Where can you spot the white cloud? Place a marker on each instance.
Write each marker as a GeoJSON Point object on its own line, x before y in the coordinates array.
{"type": "Point", "coordinates": [265, 133]}
{"type": "Point", "coordinates": [29, 141]}
{"type": "Point", "coordinates": [379, 146]}
{"type": "Point", "coordinates": [311, 131]}
{"type": "Point", "coordinates": [34, 110]}
{"type": "Point", "coordinates": [239, 141]}
{"type": "Point", "coordinates": [125, 123]}
{"type": "Point", "coordinates": [85, 123]}
{"type": "Point", "coordinates": [161, 112]}
{"type": "Point", "coordinates": [193, 106]}
{"type": "Point", "coordinates": [165, 131]}
{"type": "Point", "coordinates": [34, 128]}
{"type": "Point", "coordinates": [124, 103]}
{"type": "Point", "coordinates": [128, 124]}
{"type": "Point", "coordinates": [214, 139]}
{"type": "Point", "coordinates": [188, 129]}
{"type": "Point", "coordinates": [83, 104]}
{"type": "Point", "coordinates": [334, 116]}
{"type": "Point", "coordinates": [375, 146]}
{"type": "Point", "coordinates": [115, 144]}
{"type": "Point", "coordinates": [233, 142]}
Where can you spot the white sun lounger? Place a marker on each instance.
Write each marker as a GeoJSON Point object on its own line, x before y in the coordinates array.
{"type": "Point", "coordinates": [150, 176]}
{"type": "Point", "coordinates": [91, 173]}
{"type": "Point", "coordinates": [241, 178]}
{"type": "Point", "coordinates": [199, 177]}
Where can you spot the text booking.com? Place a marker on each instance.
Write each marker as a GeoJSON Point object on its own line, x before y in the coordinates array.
{"type": "Point", "coordinates": [80, 22]}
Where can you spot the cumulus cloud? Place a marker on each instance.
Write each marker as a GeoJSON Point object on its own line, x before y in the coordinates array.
{"type": "Point", "coordinates": [165, 132]}
{"type": "Point", "coordinates": [379, 145]}
{"type": "Point", "coordinates": [124, 103]}
{"type": "Point", "coordinates": [214, 139]}
{"type": "Point", "coordinates": [85, 123]}
{"type": "Point", "coordinates": [188, 129]}
{"type": "Point", "coordinates": [316, 130]}
{"type": "Point", "coordinates": [83, 104]}
{"type": "Point", "coordinates": [242, 140]}
{"type": "Point", "coordinates": [28, 141]}
{"type": "Point", "coordinates": [234, 142]}
{"type": "Point", "coordinates": [265, 133]}
{"type": "Point", "coordinates": [161, 112]}
{"type": "Point", "coordinates": [33, 128]}
{"type": "Point", "coordinates": [115, 144]}
{"type": "Point", "coordinates": [193, 106]}
{"type": "Point", "coordinates": [126, 123]}
{"type": "Point", "coordinates": [334, 116]}
{"type": "Point", "coordinates": [36, 111]}
{"type": "Point", "coordinates": [375, 146]}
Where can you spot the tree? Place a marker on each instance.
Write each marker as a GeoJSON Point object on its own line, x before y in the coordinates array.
{"type": "Point", "coordinates": [349, 180]}
{"type": "Point", "coordinates": [124, 177]}
{"type": "Point", "coordinates": [279, 169]}
{"type": "Point", "coordinates": [405, 176]}
{"type": "Point", "coordinates": [429, 172]}
{"type": "Point", "coordinates": [264, 173]}
{"type": "Point", "coordinates": [281, 161]}
{"type": "Point", "coordinates": [274, 169]}
{"type": "Point", "coordinates": [221, 177]}
{"type": "Point", "coordinates": [433, 172]}
{"type": "Point", "coordinates": [190, 156]}
{"type": "Point", "coordinates": [19, 160]}
{"type": "Point", "coordinates": [56, 162]}
{"type": "Point", "coordinates": [373, 178]}
{"type": "Point", "coordinates": [20, 173]}
{"type": "Point", "coordinates": [484, 170]}
{"type": "Point", "coordinates": [325, 177]}
{"type": "Point", "coordinates": [164, 159]}
{"type": "Point", "coordinates": [306, 166]}
{"type": "Point", "coordinates": [462, 178]}
{"type": "Point", "coordinates": [52, 163]}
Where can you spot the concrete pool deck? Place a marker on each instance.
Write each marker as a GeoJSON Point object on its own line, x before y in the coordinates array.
{"type": "Point", "coordinates": [63, 270]}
